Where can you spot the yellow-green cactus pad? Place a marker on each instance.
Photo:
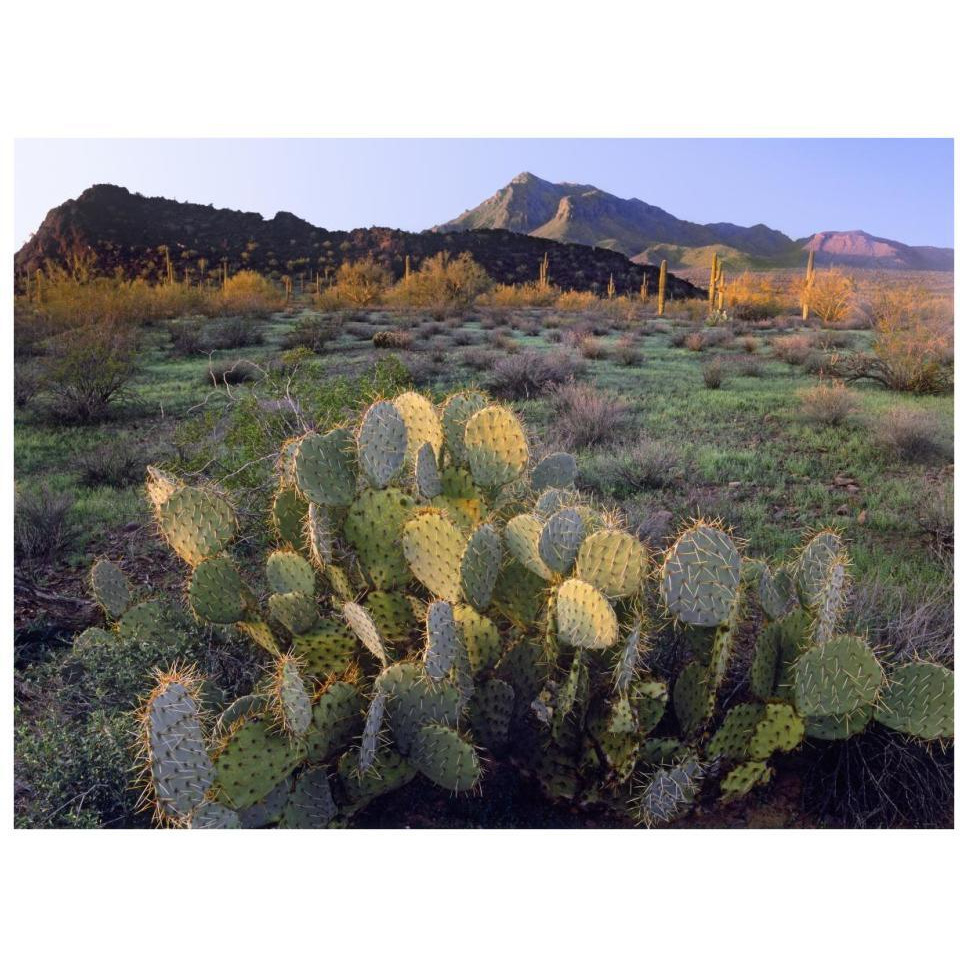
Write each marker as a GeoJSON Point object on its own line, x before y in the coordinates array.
{"type": "Point", "coordinates": [326, 468]}
{"type": "Point", "coordinates": [433, 546]}
{"type": "Point", "coordinates": [217, 593]}
{"type": "Point", "coordinates": [497, 448]}
{"type": "Point", "coordinates": [615, 562]}
{"type": "Point", "coordinates": [253, 760]}
{"type": "Point", "coordinates": [584, 616]}
{"type": "Point", "coordinates": [374, 528]}
{"type": "Point", "coordinates": [328, 648]}
{"type": "Point", "coordinates": [919, 701]}
{"type": "Point", "coordinates": [837, 677]}
{"type": "Point", "coordinates": [288, 572]}
{"type": "Point", "coordinates": [288, 515]}
{"type": "Point", "coordinates": [457, 410]}
{"type": "Point", "coordinates": [296, 611]}
{"type": "Point", "coordinates": [196, 523]}
{"type": "Point", "coordinates": [423, 425]}
{"type": "Point", "coordinates": [444, 757]}
{"type": "Point", "coordinates": [743, 778]}
{"type": "Point", "coordinates": [480, 637]}
{"type": "Point", "coordinates": [522, 537]}
{"type": "Point", "coordinates": [362, 624]}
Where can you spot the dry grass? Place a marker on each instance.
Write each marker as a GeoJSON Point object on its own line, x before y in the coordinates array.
{"type": "Point", "coordinates": [529, 373]}
{"type": "Point", "coordinates": [715, 373]}
{"type": "Point", "coordinates": [585, 417]}
{"type": "Point", "coordinates": [830, 402]}
{"type": "Point", "coordinates": [910, 435]}
{"type": "Point", "coordinates": [794, 348]}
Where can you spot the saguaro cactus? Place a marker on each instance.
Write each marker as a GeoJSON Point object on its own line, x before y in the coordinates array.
{"type": "Point", "coordinates": [714, 276]}
{"type": "Point", "coordinates": [807, 285]}
{"type": "Point", "coordinates": [662, 292]}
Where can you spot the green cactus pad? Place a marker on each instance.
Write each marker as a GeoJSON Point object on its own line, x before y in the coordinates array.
{"type": "Point", "coordinates": [422, 422]}
{"type": "Point", "coordinates": [584, 616]}
{"type": "Point", "coordinates": [374, 528]}
{"type": "Point", "coordinates": [339, 581]}
{"type": "Point", "coordinates": [260, 633]}
{"type": "Point", "coordinates": [700, 577]}
{"type": "Point", "coordinates": [294, 707]}
{"type": "Point", "coordinates": [91, 639]}
{"type": "Point", "coordinates": [496, 447]}
{"type": "Point", "coordinates": [670, 792]}
{"type": "Point", "coordinates": [149, 621]}
{"type": "Point", "coordinates": [392, 613]}
{"type": "Point", "coordinates": [253, 760]}
{"type": "Point", "coordinates": [318, 537]}
{"type": "Point", "coordinates": [217, 593]}
{"type": "Point", "coordinates": [362, 624]}
{"type": "Point", "coordinates": [556, 470]}
{"type": "Point", "coordinates": [733, 737]}
{"type": "Point", "coordinates": [765, 666]}
{"type": "Point", "coordinates": [837, 677]}
{"type": "Point", "coordinates": [110, 588]}
{"type": "Point", "coordinates": [649, 701]}
{"type": "Point", "coordinates": [444, 757]}
{"type": "Point", "coordinates": [743, 778]}
{"type": "Point", "coordinates": [694, 697]}
{"type": "Point", "coordinates": [326, 468]}
{"type": "Point", "coordinates": [288, 572]}
{"type": "Point", "coordinates": [250, 705]}
{"type": "Point", "coordinates": [830, 600]}
{"type": "Point", "coordinates": [550, 501]}
{"type": "Point", "coordinates": [269, 810]}
{"type": "Point", "coordinates": [196, 523]}
{"type": "Point", "coordinates": [327, 648]}
{"type": "Point", "coordinates": [519, 593]}
{"type": "Point", "coordinates": [413, 700]}
{"type": "Point", "coordinates": [440, 655]}
{"type": "Point", "coordinates": [433, 546]}
{"type": "Point", "coordinates": [214, 816]}
{"type": "Point", "coordinates": [461, 498]}
{"type": "Point", "coordinates": [457, 410]}
{"type": "Point", "coordinates": [776, 592]}
{"type": "Point", "coordinates": [779, 729]}
{"type": "Point", "coordinates": [522, 537]}
{"type": "Point", "coordinates": [813, 563]}
{"type": "Point", "coordinates": [311, 805]}
{"type": "Point", "coordinates": [337, 720]}
{"type": "Point", "coordinates": [382, 443]}
{"type": "Point", "coordinates": [560, 540]}
{"type": "Point", "coordinates": [840, 727]}
{"type": "Point", "coordinates": [480, 566]}
{"type": "Point", "coordinates": [919, 701]}
{"type": "Point", "coordinates": [614, 562]}
{"type": "Point", "coordinates": [480, 637]}
{"type": "Point", "coordinates": [426, 473]}
{"type": "Point", "coordinates": [370, 738]}
{"type": "Point", "coordinates": [390, 772]}
{"type": "Point", "coordinates": [523, 668]}
{"type": "Point", "coordinates": [660, 750]}
{"type": "Point", "coordinates": [180, 768]}
{"type": "Point", "coordinates": [288, 515]}
{"type": "Point", "coordinates": [296, 611]}
{"type": "Point", "coordinates": [491, 710]}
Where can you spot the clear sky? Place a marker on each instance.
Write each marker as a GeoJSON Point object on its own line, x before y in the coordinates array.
{"type": "Point", "coordinates": [898, 189]}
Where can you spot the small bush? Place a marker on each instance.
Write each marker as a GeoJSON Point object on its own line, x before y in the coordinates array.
{"type": "Point", "coordinates": [628, 470]}
{"type": "Point", "coordinates": [715, 373]}
{"type": "Point", "coordinates": [232, 372]}
{"type": "Point", "coordinates": [362, 283]}
{"type": "Point", "coordinates": [695, 342]}
{"type": "Point", "coordinates": [749, 367]}
{"type": "Point", "coordinates": [794, 348]}
{"type": "Point", "coordinates": [43, 526]}
{"type": "Point", "coordinates": [249, 293]}
{"type": "Point", "coordinates": [910, 435]}
{"type": "Point", "coordinates": [118, 464]}
{"type": "Point", "coordinates": [528, 373]}
{"type": "Point", "coordinates": [27, 383]}
{"type": "Point", "coordinates": [594, 348]}
{"type": "Point", "coordinates": [585, 417]}
{"type": "Point", "coordinates": [831, 296]}
{"type": "Point", "coordinates": [393, 340]}
{"type": "Point", "coordinates": [479, 358]}
{"type": "Point", "coordinates": [830, 402]}
{"type": "Point", "coordinates": [232, 334]}
{"type": "Point", "coordinates": [678, 338]}
{"type": "Point", "coordinates": [749, 344]}
{"type": "Point", "coordinates": [311, 331]}
{"type": "Point", "coordinates": [626, 352]}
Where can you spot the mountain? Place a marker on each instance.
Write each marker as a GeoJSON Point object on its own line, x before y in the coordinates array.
{"type": "Point", "coordinates": [125, 233]}
{"type": "Point", "coordinates": [581, 213]}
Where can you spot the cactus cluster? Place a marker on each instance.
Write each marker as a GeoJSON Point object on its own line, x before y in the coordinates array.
{"type": "Point", "coordinates": [434, 599]}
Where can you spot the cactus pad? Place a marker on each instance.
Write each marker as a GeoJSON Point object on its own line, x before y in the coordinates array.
{"type": "Point", "coordinates": [779, 729]}
{"type": "Point", "coordinates": [214, 816]}
{"type": "Point", "coordinates": [840, 727]}
{"type": "Point", "coordinates": [743, 778]}
{"type": "Point", "coordinates": [694, 697]}
{"type": "Point", "coordinates": [522, 537]}
{"type": "Point", "coordinates": [216, 591]}
{"type": "Point", "coordinates": [670, 792]}
{"type": "Point", "coordinates": [390, 772]}
{"type": "Point", "coordinates": [837, 677]}
{"type": "Point", "coordinates": [326, 468]}
{"type": "Point", "coordinates": [491, 710]}
{"type": "Point", "coordinates": [557, 470]}
{"type": "Point", "coordinates": [311, 805]}
{"type": "Point", "coordinates": [433, 546]}
{"type": "Point", "coordinates": [614, 562]}
{"type": "Point", "coordinates": [317, 537]}
{"type": "Point", "coordinates": [701, 576]}
{"type": "Point", "coordinates": [496, 447]}
{"type": "Point", "coordinates": [813, 563]}
{"type": "Point", "coordinates": [288, 514]}
{"type": "Point", "coordinates": [426, 473]}
{"type": "Point", "coordinates": [196, 523]}
{"type": "Point", "coordinates": [776, 592]}
{"type": "Point", "coordinates": [422, 422]}
{"type": "Point", "coordinates": [382, 443]}
{"type": "Point", "coordinates": [479, 636]}
{"type": "Point", "coordinates": [633, 648]}
{"type": "Point", "coordinates": [296, 611]}
{"type": "Point", "coordinates": [327, 648]}
{"type": "Point", "coordinates": [584, 616]}
{"type": "Point", "coordinates": [362, 624]}
{"type": "Point", "coordinates": [392, 613]}
{"type": "Point", "coordinates": [560, 540]}
{"type": "Point", "coordinates": [480, 565]}
{"type": "Point", "coordinates": [443, 756]}
{"type": "Point", "coordinates": [457, 410]}
{"type": "Point", "coordinates": [919, 701]}
{"type": "Point", "coordinates": [370, 738]}
{"type": "Point", "coordinates": [337, 719]}
{"type": "Point", "coordinates": [291, 698]}
{"type": "Point", "coordinates": [374, 528]}
{"type": "Point", "coordinates": [110, 588]}
{"type": "Point", "coordinates": [253, 760]}
{"type": "Point", "coordinates": [733, 737]}
{"type": "Point", "coordinates": [288, 572]}
{"type": "Point", "coordinates": [414, 700]}
{"type": "Point", "coordinates": [440, 654]}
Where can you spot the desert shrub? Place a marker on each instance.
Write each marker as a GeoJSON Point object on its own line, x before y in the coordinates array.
{"type": "Point", "coordinates": [443, 285]}
{"type": "Point", "coordinates": [87, 369]}
{"type": "Point", "coordinates": [187, 337]}
{"type": "Point", "coordinates": [593, 348]}
{"type": "Point", "coordinates": [232, 372]}
{"type": "Point", "coordinates": [363, 282]}
{"type": "Point", "coordinates": [627, 470]}
{"type": "Point", "coordinates": [678, 338]}
{"type": "Point", "coordinates": [749, 344]}
{"type": "Point", "coordinates": [528, 373]}
{"type": "Point", "coordinates": [520, 295]}
{"type": "Point", "coordinates": [585, 417]}
{"type": "Point", "coordinates": [715, 373]}
{"type": "Point", "coordinates": [915, 349]}
{"type": "Point", "coordinates": [795, 348]}
{"type": "Point", "coordinates": [359, 330]}
{"type": "Point", "coordinates": [311, 331]}
{"type": "Point", "coordinates": [554, 336]}
{"type": "Point", "coordinates": [27, 382]}
{"type": "Point", "coordinates": [479, 358]}
{"type": "Point", "coordinates": [832, 339]}
{"type": "Point", "coordinates": [695, 342]}
{"type": "Point", "coordinates": [936, 520]}
{"type": "Point", "coordinates": [819, 364]}
{"type": "Point", "coordinates": [717, 336]}
{"type": "Point", "coordinates": [831, 296]}
{"type": "Point", "coordinates": [626, 352]}
{"type": "Point", "coordinates": [576, 301]}
{"type": "Point", "coordinates": [117, 464]}
{"type": "Point", "coordinates": [503, 341]}
{"type": "Point", "coordinates": [911, 435]}
{"type": "Point", "coordinates": [43, 525]}
{"type": "Point", "coordinates": [250, 294]}
{"type": "Point", "coordinates": [393, 340]}
{"type": "Point", "coordinates": [461, 337]}
{"type": "Point", "coordinates": [233, 333]}
{"type": "Point", "coordinates": [748, 367]}
{"type": "Point", "coordinates": [754, 297]}
{"type": "Point", "coordinates": [830, 402]}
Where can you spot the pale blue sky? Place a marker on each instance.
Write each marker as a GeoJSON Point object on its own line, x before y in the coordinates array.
{"type": "Point", "coordinates": [899, 189]}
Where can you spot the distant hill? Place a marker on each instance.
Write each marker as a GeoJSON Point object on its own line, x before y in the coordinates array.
{"type": "Point", "coordinates": [581, 213]}
{"type": "Point", "coordinates": [125, 232]}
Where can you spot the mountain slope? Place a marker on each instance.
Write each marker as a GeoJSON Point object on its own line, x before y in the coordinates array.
{"type": "Point", "coordinates": [125, 232]}
{"type": "Point", "coordinates": [581, 213]}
